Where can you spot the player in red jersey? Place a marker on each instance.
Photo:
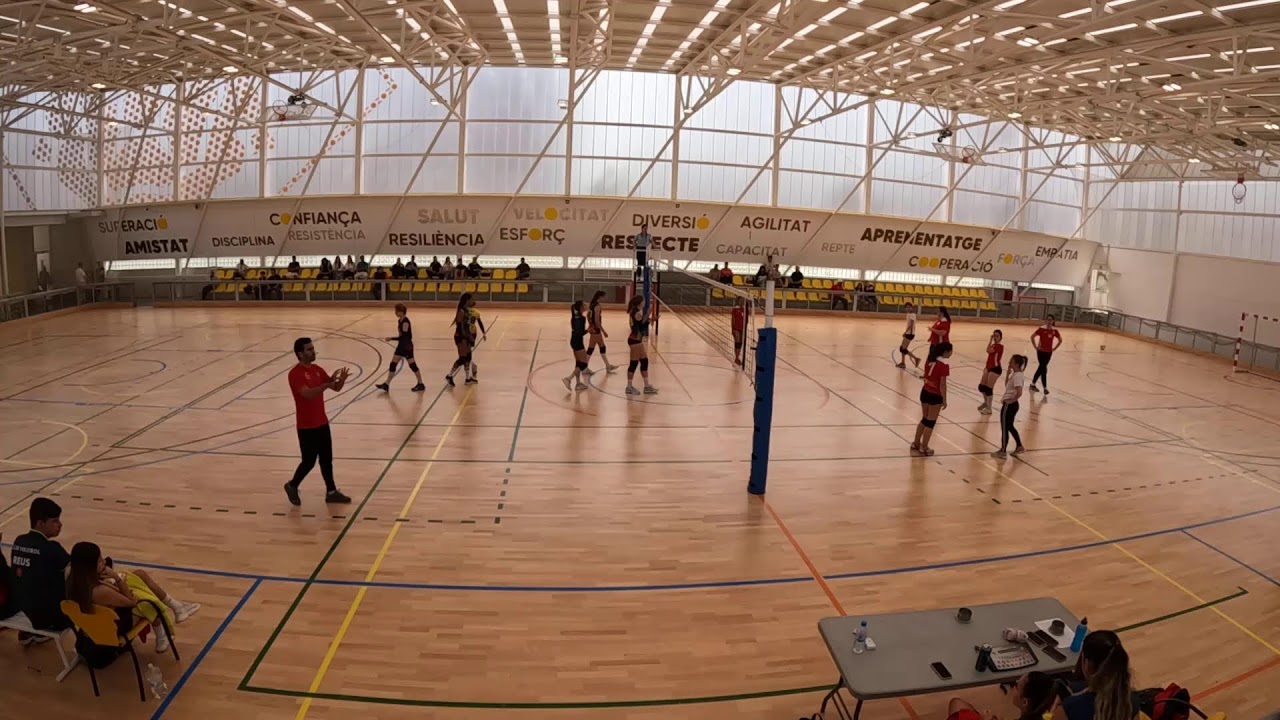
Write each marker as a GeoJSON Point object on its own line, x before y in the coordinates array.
{"type": "Point", "coordinates": [739, 325]}
{"type": "Point", "coordinates": [940, 331]}
{"type": "Point", "coordinates": [308, 382]}
{"type": "Point", "coordinates": [933, 396]}
{"type": "Point", "coordinates": [991, 371]}
{"type": "Point", "coordinates": [1047, 339]}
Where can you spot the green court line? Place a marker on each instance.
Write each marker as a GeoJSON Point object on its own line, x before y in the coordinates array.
{"type": "Point", "coordinates": [342, 534]}
{"type": "Point", "coordinates": [374, 700]}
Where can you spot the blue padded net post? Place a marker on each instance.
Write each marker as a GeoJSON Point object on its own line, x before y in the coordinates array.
{"type": "Point", "coordinates": [766, 354]}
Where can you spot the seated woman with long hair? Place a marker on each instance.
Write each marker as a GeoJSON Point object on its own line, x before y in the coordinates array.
{"type": "Point", "coordinates": [90, 581]}
{"type": "Point", "coordinates": [1108, 685]}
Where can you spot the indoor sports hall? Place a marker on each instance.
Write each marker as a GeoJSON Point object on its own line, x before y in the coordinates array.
{"type": "Point", "coordinates": [708, 359]}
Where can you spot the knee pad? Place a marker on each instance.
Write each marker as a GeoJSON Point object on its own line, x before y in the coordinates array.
{"type": "Point", "coordinates": [631, 366]}
{"type": "Point", "coordinates": [413, 366]}
{"type": "Point", "coordinates": [928, 423]}
{"type": "Point", "coordinates": [602, 349]}
{"type": "Point", "coordinates": [393, 366]}
{"type": "Point", "coordinates": [581, 365]}
{"type": "Point", "coordinates": [466, 359]}
{"type": "Point", "coordinates": [644, 364]}
{"type": "Point", "coordinates": [985, 389]}
{"type": "Point", "coordinates": [591, 351]}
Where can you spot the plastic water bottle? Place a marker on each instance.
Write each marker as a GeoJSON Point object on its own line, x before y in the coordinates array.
{"type": "Point", "coordinates": [860, 638]}
{"type": "Point", "coordinates": [156, 680]}
{"type": "Point", "coordinates": [1077, 640]}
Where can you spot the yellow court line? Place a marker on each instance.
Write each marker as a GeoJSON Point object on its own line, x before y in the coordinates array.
{"type": "Point", "coordinates": [1117, 546]}
{"type": "Point", "coordinates": [336, 642]}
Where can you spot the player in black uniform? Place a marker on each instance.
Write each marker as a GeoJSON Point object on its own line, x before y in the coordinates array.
{"type": "Point", "coordinates": [404, 350]}
{"type": "Point", "coordinates": [595, 328]}
{"type": "Point", "coordinates": [577, 343]}
{"type": "Point", "coordinates": [635, 342]}
{"type": "Point", "coordinates": [465, 320]}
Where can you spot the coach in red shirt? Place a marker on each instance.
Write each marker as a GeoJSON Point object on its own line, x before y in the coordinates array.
{"type": "Point", "coordinates": [308, 382]}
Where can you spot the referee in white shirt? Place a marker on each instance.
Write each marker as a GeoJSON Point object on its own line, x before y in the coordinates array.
{"type": "Point", "coordinates": [642, 246]}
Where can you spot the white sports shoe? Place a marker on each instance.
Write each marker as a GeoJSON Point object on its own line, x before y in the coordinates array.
{"type": "Point", "coordinates": [568, 382]}
{"type": "Point", "coordinates": [162, 639]}
{"type": "Point", "coordinates": [186, 610]}
{"type": "Point", "coordinates": [581, 386]}
{"type": "Point", "coordinates": [631, 390]}
{"type": "Point", "coordinates": [650, 390]}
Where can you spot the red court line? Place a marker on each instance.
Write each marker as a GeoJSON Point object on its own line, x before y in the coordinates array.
{"type": "Point", "coordinates": [831, 596]}
{"type": "Point", "coordinates": [1273, 662]}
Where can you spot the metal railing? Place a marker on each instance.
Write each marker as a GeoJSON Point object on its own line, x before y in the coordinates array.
{"type": "Point", "coordinates": [518, 291]}
{"type": "Point", "coordinates": [33, 304]}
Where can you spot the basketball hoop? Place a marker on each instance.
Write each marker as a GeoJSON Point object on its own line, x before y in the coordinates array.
{"type": "Point", "coordinates": [1239, 191]}
{"type": "Point", "coordinates": [968, 154]}
{"type": "Point", "coordinates": [288, 111]}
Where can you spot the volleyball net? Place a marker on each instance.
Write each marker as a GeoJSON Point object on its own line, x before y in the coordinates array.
{"type": "Point", "coordinates": [1257, 350]}
{"type": "Point", "coordinates": [724, 316]}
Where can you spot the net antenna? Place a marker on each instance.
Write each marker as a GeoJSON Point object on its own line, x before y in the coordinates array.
{"type": "Point", "coordinates": [295, 107]}
{"type": "Point", "coordinates": [707, 307]}
{"type": "Point", "coordinates": [1257, 350]}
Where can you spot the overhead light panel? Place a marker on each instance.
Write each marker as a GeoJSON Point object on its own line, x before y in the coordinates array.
{"type": "Point", "coordinates": [1243, 5]}
{"type": "Point", "coordinates": [915, 8]}
{"type": "Point", "coordinates": [886, 91]}
{"type": "Point", "coordinates": [1009, 4]}
{"type": "Point", "coordinates": [1076, 13]}
{"type": "Point", "coordinates": [1181, 58]}
{"type": "Point", "coordinates": [882, 23]}
{"type": "Point", "coordinates": [1179, 16]}
{"type": "Point", "coordinates": [1271, 126]}
{"type": "Point", "coordinates": [1015, 115]}
{"type": "Point", "coordinates": [553, 23]}
{"type": "Point", "coordinates": [1116, 138]}
{"type": "Point", "coordinates": [1117, 28]}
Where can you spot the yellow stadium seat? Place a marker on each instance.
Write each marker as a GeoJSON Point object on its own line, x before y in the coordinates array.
{"type": "Point", "coordinates": [508, 287]}
{"type": "Point", "coordinates": [422, 273]}
{"type": "Point", "coordinates": [395, 287]}
{"type": "Point", "coordinates": [222, 274]}
{"type": "Point", "coordinates": [816, 297]}
{"type": "Point", "coordinates": [827, 284]}
{"type": "Point", "coordinates": [717, 293]}
{"type": "Point", "coordinates": [898, 288]}
{"type": "Point", "coordinates": [344, 287]}
{"type": "Point", "coordinates": [309, 273]}
{"type": "Point", "coordinates": [470, 287]}
{"type": "Point", "coordinates": [806, 283]}
{"type": "Point", "coordinates": [737, 280]}
{"type": "Point", "coordinates": [422, 287]}
{"type": "Point", "coordinates": [222, 287]}
{"type": "Point", "coordinates": [522, 289]}
{"type": "Point", "coordinates": [455, 288]}
{"type": "Point", "coordinates": [482, 287]}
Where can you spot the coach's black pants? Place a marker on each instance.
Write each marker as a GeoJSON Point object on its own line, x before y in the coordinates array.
{"type": "Point", "coordinates": [1008, 412]}
{"type": "Point", "coordinates": [1042, 369]}
{"type": "Point", "coordinates": [316, 444]}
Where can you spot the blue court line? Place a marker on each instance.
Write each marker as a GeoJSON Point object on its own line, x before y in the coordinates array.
{"type": "Point", "coordinates": [693, 585]}
{"type": "Point", "coordinates": [191, 669]}
{"type": "Point", "coordinates": [1237, 561]}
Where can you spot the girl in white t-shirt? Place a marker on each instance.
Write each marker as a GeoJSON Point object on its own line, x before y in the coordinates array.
{"type": "Point", "coordinates": [908, 334]}
{"type": "Point", "coordinates": [1013, 385]}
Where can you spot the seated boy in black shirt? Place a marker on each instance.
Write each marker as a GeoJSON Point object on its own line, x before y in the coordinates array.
{"type": "Point", "coordinates": [39, 570]}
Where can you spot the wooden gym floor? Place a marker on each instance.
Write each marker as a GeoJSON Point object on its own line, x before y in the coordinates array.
{"type": "Point", "coordinates": [515, 551]}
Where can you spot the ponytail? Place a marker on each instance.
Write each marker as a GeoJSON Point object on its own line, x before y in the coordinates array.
{"type": "Point", "coordinates": [945, 313]}
{"type": "Point", "coordinates": [937, 351]}
{"type": "Point", "coordinates": [595, 299]}
{"type": "Point", "coordinates": [1109, 676]}
{"type": "Point", "coordinates": [462, 305]}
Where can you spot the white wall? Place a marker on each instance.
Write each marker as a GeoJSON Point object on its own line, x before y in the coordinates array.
{"type": "Point", "coordinates": [1210, 293]}
{"type": "Point", "coordinates": [1140, 281]}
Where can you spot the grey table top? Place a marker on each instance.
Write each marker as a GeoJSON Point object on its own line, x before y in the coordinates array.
{"type": "Point", "coordinates": [907, 644]}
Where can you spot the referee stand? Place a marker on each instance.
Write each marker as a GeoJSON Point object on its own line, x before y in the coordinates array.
{"type": "Point", "coordinates": [762, 420]}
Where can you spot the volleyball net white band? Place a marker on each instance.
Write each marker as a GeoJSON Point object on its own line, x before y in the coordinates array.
{"type": "Point", "coordinates": [708, 307]}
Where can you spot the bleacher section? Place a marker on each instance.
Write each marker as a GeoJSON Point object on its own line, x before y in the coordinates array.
{"type": "Point", "coordinates": [891, 295]}
{"type": "Point", "coordinates": [502, 282]}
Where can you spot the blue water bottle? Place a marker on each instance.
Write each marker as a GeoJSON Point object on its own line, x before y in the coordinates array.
{"type": "Point", "coordinates": [1077, 641]}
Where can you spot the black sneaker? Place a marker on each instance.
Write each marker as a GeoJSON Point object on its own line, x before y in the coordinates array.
{"type": "Point", "coordinates": [336, 497]}
{"type": "Point", "coordinates": [418, 388]}
{"type": "Point", "coordinates": [472, 381]}
{"type": "Point", "coordinates": [292, 492]}
{"type": "Point", "coordinates": [384, 387]}
{"type": "Point", "coordinates": [449, 379]}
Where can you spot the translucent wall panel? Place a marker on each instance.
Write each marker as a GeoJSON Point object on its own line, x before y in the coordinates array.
{"type": "Point", "coordinates": [920, 168]}
{"type": "Point", "coordinates": [1138, 195]}
{"type": "Point", "coordinates": [821, 192]}
{"type": "Point", "coordinates": [1260, 197]}
{"type": "Point", "coordinates": [903, 200]}
{"type": "Point", "coordinates": [1003, 140]}
{"type": "Point", "coordinates": [500, 138]}
{"type": "Point", "coordinates": [722, 184]}
{"type": "Point", "coordinates": [59, 117]}
{"type": "Point", "coordinates": [518, 93]}
{"type": "Point", "coordinates": [44, 151]}
{"type": "Point", "coordinates": [298, 140]}
{"type": "Point", "coordinates": [722, 147]}
{"type": "Point", "coordinates": [982, 209]}
{"type": "Point", "coordinates": [850, 126]}
{"type": "Point", "coordinates": [390, 175]}
{"type": "Point", "coordinates": [139, 185]}
{"type": "Point", "coordinates": [907, 125]}
{"type": "Point", "coordinates": [35, 189]}
{"type": "Point", "coordinates": [333, 176]}
{"type": "Point", "coordinates": [409, 138]}
{"type": "Point", "coordinates": [395, 94]}
{"type": "Point", "coordinates": [225, 180]}
{"type": "Point", "coordinates": [744, 106]}
{"type": "Point", "coordinates": [620, 141]}
{"type": "Point", "coordinates": [499, 174]}
{"type": "Point", "coordinates": [989, 178]}
{"type": "Point", "coordinates": [1142, 230]}
{"type": "Point", "coordinates": [132, 113]}
{"type": "Point", "coordinates": [1061, 190]}
{"type": "Point", "coordinates": [824, 157]}
{"type": "Point", "coordinates": [1238, 236]}
{"type": "Point", "coordinates": [617, 177]}
{"type": "Point", "coordinates": [627, 97]}
{"type": "Point", "coordinates": [1049, 218]}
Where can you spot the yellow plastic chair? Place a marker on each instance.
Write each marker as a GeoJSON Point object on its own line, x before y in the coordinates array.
{"type": "Point", "coordinates": [424, 287]}
{"type": "Point", "coordinates": [508, 287]}
{"type": "Point", "coordinates": [99, 628]}
{"type": "Point", "coordinates": [737, 280]}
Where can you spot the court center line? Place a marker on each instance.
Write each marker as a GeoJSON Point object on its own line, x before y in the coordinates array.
{"type": "Point", "coordinates": [377, 563]}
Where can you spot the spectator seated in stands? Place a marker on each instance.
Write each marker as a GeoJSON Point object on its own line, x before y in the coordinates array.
{"type": "Point", "coordinates": [715, 272]}
{"type": "Point", "coordinates": [207, 290]}
{"type": "Point", "coordinates": [522, 270]}
{"type": "Point", "coordinates": [379, 288]}
{"type": "Point", "coordinates": [762, 276]}
{"type": "Point", "coordinates": [294, 271]}
{"type": "Point", "coordinates": [93, 580]}
{"type": "Point", "coordinates": [326, 270]}
{"type": "Point", "coordinates": [411, 268]}
{"type": "Point", "coordinates": [446, 270]}
{"type": "Point", "coordinates": [241, 270]}
{"type": "Point", "coordinates": [349, 269]}
{"type": "Point", "coordinates": [474, 270]}
{"type": "Point", "coordinates": [362, 269]}
{"type": "Point", "coordinates": [273, 289]}
{"type": "Point", "coordinates": [838, 298]}
{"type": "Point", "coordinates": [459, 269]}
{"type": "Point", "coordinates": [726, 275]}
{"type": "Point", "coordinates": [435, 270]}
{"type": "Point", "coordinates": [797, 278]}
{"type": "Point", "coordinates": [398, 270]}
{"type": "Point", "coordinates": [39, 563]}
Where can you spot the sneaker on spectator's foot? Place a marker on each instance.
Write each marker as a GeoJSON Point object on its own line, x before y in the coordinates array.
{"type": "Point", "coordinates": [292, 492]}
{"type": "Point", "coordinates": [185, 611]}
{"type": "Point", "coordinates": [631, 390]}
{"type": "Point", "coordinates": [336, 497]}
{"type": "Point", "coordinates": [162, 639]}
{"type": "Point", "coordinates": [418, 388]}
{"type": "Point", "coordinates": [384, 387]}
{"type": "Point", "coordinates": [650, 390]}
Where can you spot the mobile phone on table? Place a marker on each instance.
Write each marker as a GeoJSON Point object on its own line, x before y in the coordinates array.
{"type": "Point", "coordinates": [942, 670]}
{"type": "Point", "coordinates": [1052, 651]}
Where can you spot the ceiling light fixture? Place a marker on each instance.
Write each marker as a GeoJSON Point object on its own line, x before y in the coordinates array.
{"type": "Point", "coordinates": [1116, 138]}
{"type": "Point", "coordinates": [1015, 115]}
{"type": "Point", "coordinates": [1171, 86]}
{"type": "Point", "coordinates": [1117, 28]}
